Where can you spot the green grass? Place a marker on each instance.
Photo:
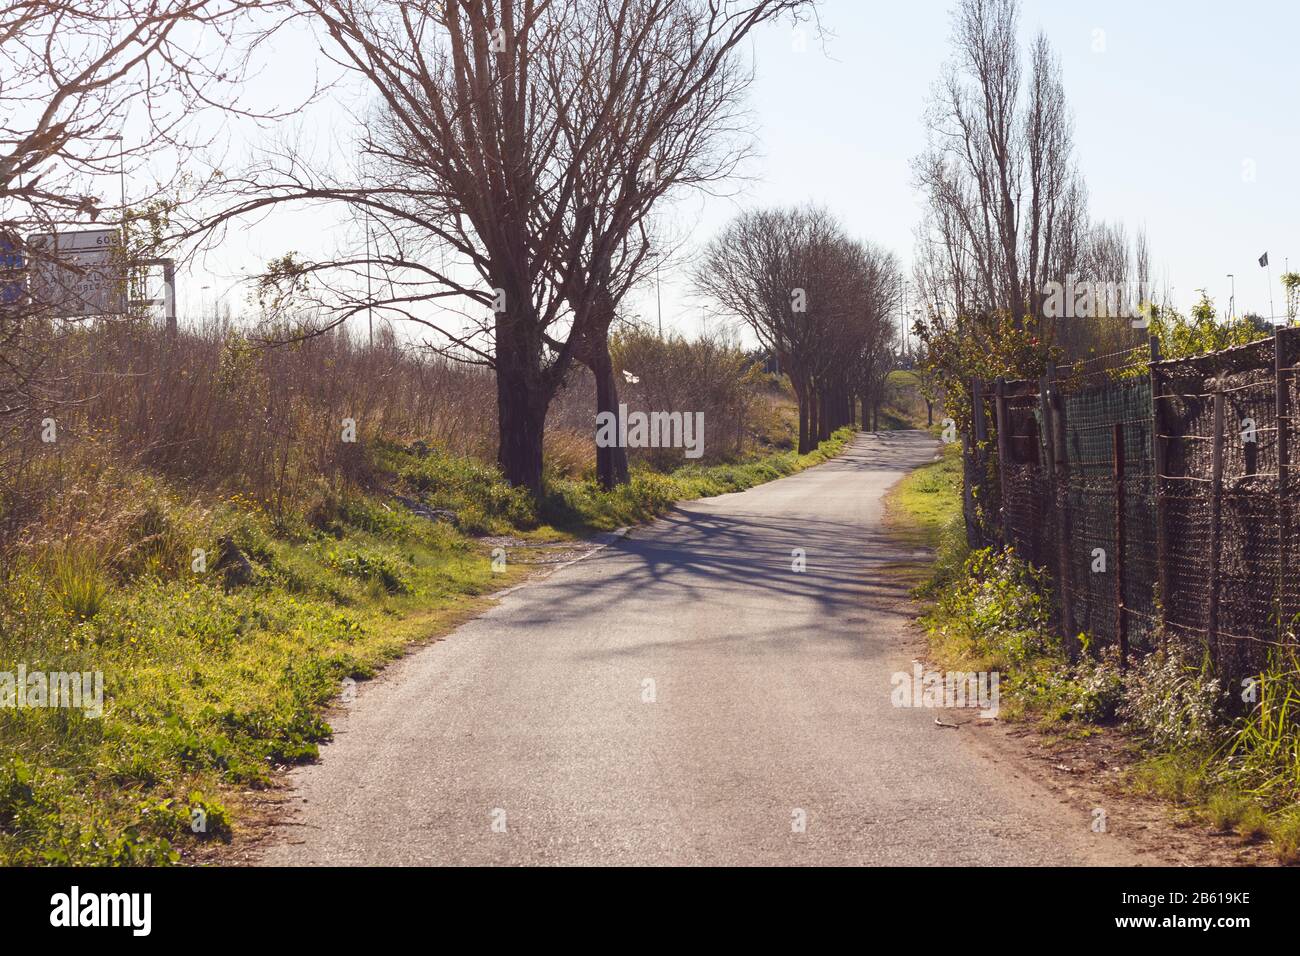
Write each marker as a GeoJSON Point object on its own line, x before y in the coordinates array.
{"type": "Point", "coordinates": [924, 509]}
{"type": "Point", "coordinates": [583, 506]}
{"type": "Point", "coordinates": [209, 686]}
{"type": "Point", "coordinates": [927, 502]}
{"type": "Point", "coordinates": [78, 581]}
{"type": "Point", "coordinates": [206, 689]}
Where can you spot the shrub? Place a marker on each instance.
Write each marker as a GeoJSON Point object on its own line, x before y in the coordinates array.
{"type": "Point", "coordinates": [997, 614]}
{"type": "Point", "coordinates": [1175, 705]}
{"type": "Point", "coordinates": [1087, 692]}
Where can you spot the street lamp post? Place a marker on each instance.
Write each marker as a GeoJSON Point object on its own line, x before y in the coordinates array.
{"type": "Point", "coordinates": [121, 179]}
{"type": "Point", "coordinates": [659, 302]}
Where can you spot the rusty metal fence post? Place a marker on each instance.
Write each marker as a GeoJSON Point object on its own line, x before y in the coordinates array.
{"type": "Point", "coordinates": [1121, 619]}
{"type": "Point", "coordinates": [1216, 515]}
{"type": "Point", "coordinates": [1049, 404]}
{"type": "Point", "coordinates": [1000, 422]}
{"type": "Point", "coordinates": [1282, 359]}
{"type": "Point", "coordinates": [1158, 460]}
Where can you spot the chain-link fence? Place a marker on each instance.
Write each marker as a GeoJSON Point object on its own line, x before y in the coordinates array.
{"type": "Point", "coordinates": [1157, 494]}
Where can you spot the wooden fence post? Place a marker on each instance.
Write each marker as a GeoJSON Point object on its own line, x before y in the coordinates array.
{"type": "Point", "coordinates": [1282, 358]}
{"type": "Point", "coordinates": [1004, 455]}
{"type": "Point", "coordinates": [1216, 508]}
{"type": "Point", "coordinates": [1158, 461]}
{"type": "Point", "coordinates": [1121, 619]}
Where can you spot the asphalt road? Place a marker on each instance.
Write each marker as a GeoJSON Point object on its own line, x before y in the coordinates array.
{"type": "Point", "coordinates": [532, 735]}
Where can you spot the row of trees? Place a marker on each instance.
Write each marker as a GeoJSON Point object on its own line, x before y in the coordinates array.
{"type": "Point", "coordinates": [512, 155]}
{"type": "Point", "coordinates": [818, 300]}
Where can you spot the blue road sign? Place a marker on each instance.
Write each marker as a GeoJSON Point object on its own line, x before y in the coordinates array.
{"type": "Point", "coordinates": [11, 261]}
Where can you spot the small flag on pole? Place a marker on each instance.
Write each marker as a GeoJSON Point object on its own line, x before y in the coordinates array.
{"type": "Point", "coordinates": [1263, 260]}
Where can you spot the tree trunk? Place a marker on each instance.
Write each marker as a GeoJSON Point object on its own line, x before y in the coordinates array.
{"type": "Point", "coordinates": [611, 462]}
{"type": "Point", "coordinates": [591, 348]}
{"type": "Point", "coordinates": [521, 419]}
{"type": "Point", "coordinates": [814, 416]}
{"type": "Point", "coordinates": [802, 398]}
{"type": "Point", "coordinates": [522, 402]}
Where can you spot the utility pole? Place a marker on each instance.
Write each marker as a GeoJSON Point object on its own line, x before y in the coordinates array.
{"type": "Point", "coordinates": [370, 298]}
{"type": "Point", "coordinates": [659, 302]}
{"type": "Point", "coordinates": [121, 178]}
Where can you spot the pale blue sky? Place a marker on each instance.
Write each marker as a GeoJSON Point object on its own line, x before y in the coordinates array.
{"type": "Point", "coordinates": [1183, 97]}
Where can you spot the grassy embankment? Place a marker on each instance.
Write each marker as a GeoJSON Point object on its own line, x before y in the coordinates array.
{"type": "Point", "coordinates": [904, 405]}
{"type": "Point", "coordinates": [989, 611]}
{"type": "Point", "coordinates": [217, 671]}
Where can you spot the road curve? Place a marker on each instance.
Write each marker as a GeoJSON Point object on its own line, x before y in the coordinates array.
{"type": "Point", "coordinates": [532, 735]}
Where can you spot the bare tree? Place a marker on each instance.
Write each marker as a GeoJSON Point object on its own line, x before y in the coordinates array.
{"type": "Point", "coordinates": [815, 299]}
{"type": "Point", "coordinates": [461, 179]}
{"type": "Point", "coordinates": [677, 79]}
{"type": "Point", "coordinates": [998, 175]}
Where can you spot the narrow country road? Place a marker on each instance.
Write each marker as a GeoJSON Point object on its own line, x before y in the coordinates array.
{"type": "Point", "coordinates": [770, 704]}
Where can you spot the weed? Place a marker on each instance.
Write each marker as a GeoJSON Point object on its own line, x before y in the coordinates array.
{"type": "Point", "coordinates": [79, 582]}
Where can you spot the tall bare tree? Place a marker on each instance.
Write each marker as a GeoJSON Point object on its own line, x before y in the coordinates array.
{"type": "Point", "coordinates": [677, 78]}
{"type": "Point", "coordinates": [1004, 199]}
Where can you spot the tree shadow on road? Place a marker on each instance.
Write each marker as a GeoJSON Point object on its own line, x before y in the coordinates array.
{"type": "Point", "coordinates": [700, 553]}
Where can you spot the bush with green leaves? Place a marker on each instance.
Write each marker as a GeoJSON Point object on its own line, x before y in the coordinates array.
{"type": "Point", "coordinates": [1174, 704]}
{"type": "Point", "coordinates": [1202, 331]}
{"type": "Point", "coordinates": [998, 614]}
